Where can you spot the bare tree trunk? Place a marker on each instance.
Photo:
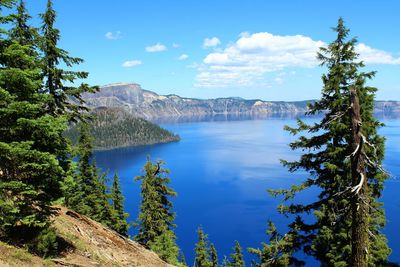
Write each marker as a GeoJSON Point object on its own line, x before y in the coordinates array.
{"type": "Point", "coordinates": [360, 207]}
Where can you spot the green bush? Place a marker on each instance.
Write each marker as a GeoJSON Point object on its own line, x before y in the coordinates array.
{"type": "Point", "coordinates": [46, 244]}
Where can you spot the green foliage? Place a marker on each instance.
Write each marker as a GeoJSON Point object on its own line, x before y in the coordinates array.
{"type": "Point", "coordinates": [165, 246]}
{"type": "Point", "coordinates": [202, 257]}
{"type": "Point", "coordinates": [46, 243]}
{"type": "Point", "coordinates": [279, 251]}
{"type": "Point", "coordinates": [155, 221]}
{"type": "Point", "coordinates": [327, 150]}
{"type": "Point", "coordinates": [32, 147]}
{"type": "Point", "coordinates": [86, 190]}
{"type": "Point", "coordinates": [236, 259]}
{"type": "Point", "coordinates": [112, 127]}
{"type": "Point", "coordinates": [213, 255]}
{"type": "Point", "coordinates": [120, 224]}
{"type": "Point", "coordinates": [64, 99]}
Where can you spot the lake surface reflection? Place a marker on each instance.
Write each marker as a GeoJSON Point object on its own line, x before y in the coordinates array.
{"type": "Point", "coordinates": [221, 169]}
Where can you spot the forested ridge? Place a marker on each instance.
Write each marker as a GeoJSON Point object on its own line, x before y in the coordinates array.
{"type": "Point", "coordinates": [114, 127]}
{"type": "Point", "coordinates": [40, 169]}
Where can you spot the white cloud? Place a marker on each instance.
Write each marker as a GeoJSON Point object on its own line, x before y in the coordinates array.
{"type": "Point", "coordinates": [131, 63]}
{"type": "Point", "coordinates": [156, 48]}
{"type": "Point", "coordinates": [375, 56]}
{"type": "Point", "coordinates": [113, 36]}
{"type": "Point", "coordinates": [175, 45]}
{"type": "Point", "coordinates": [211, 42]}
{"type": "Point", "coordinates": [247, 61]}
{"type": "Point", "coordinates": [183, 57]}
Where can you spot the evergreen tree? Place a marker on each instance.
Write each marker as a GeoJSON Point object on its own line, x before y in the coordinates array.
{"type": "Point", "coordinates": [225, 262]}
{"type": "Point", "coordinates": [155, 222]}
{"type": "Point", "coordinates": [182, 259]}
{"type": "Point", "coordinates": [64, 98]}
{"type": "Point", "coordinates": [165, 246]}
{"type": "Point", "coordinates": [202, 258]}
{"type": "Point", "coordinates": [32, 147]}
{"type": "Point", "coordinates": [120, 225]}
{"type": "Point", "coordinates": [214, 255]}
{"type": "Point", "coordinates": [279, 252]}
{"type": "Point", "coordinates": [22, 32]}
{"type": "Point", "coordinates": [237, 256]}
{"type": "Point", "coordinates": [343, 158]}
{"type": "Point", "coordinates": [91, 197]}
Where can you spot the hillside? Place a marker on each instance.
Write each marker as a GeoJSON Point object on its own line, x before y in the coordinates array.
{"type": "Point", "coordinates": [149, 105]}
{"type": "Point", "coordinates": [114, 127]}
{"type": "Point", "coordinates": [87, 244]}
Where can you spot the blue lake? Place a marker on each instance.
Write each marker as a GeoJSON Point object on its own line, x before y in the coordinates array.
{"type": "Point", "coordinates": [221, 170]}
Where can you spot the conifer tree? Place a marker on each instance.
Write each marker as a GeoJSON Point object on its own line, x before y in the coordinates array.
{"type": "Point", "coordinates": [202, 258]}
{"type": "Point", "coordinates": [65, 98]}
{"type": "Point", "coordinates": [225, 262]}
{"type": "Point", "coordinates": [214, 255]}
{"type": "Point", "coordinates": [120, 225]}
{"type": "Point", "coordinates": [182, 259]}
{"type": "Point", "coordinates": [90, 196]}
{"type": "Point", "coordinates": [165, 247]}
{"type": "Point", "coordinates": [31, 142]}
{"type": "Point", "coordinates": [343, 156]}
{"type": "Point", "coordinates": [22, 32]}
{"type": "Point", "coordinates": [155, 222]}
{"type": "Point", "coordinates": [237, 256]}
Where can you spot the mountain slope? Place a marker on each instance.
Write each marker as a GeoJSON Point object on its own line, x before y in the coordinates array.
{"type": "Point", "coordinates": [88, 244]}
{"type": "Point", "coordinates": [115, 127]}
{"type": "Point", "coordinates": [149, 105]}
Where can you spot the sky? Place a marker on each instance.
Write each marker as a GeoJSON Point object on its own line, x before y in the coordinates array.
{"type": "Point", "coordinates": [255, 49]}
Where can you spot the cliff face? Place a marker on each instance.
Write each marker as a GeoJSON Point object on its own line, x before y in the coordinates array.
{"type": "Point", "coordinates": [149, 105]}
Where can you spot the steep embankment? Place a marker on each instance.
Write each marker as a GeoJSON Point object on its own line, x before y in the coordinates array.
{"type": "Point", "coordinates": [149, 105]}
{"type": "Point", "coordinates": [115, 127]}
{"type": "Point", "coordinates": [87, 244]}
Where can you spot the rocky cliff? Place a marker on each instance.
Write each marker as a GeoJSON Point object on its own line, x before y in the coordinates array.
{"type": "Point", "coordinates": [149, 105]}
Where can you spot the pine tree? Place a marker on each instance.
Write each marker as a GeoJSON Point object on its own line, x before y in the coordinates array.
{"type": "Point", "coordinates": [91, 197]}
{"type": "Point", "coordinates": [279, 252]}
{"type": "Point", "coordinates": [165, 247]}
{"type": "Point", "coordinates": [237, 256]}
{"type": "Point", "coordinates": [155, 222]}
{"type": "Point", "coordinates": [202, 258]}
{"type": "Point", "coordinates": [225, 262]}
{"type": "Point", "coordinates": [182, 259]}
{"type": "Point", "coordinates": [120, 224]}
{"type": "Point", "coordinates": [22, 32]}
{"type": "Point", "coordinates": [64, 98]}
{"type": "Point", "coordinates": [32, 148]}
{"type": "Point", "coordinates": [343, 157]}
{"type": "Point", "coordinates": [214, 255]}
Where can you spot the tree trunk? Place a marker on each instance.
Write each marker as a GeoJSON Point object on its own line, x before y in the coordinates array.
{"type": "Point", "coordinates": [360, 209]}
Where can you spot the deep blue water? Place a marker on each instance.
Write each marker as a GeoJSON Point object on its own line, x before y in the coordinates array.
{"type": "Point", "coordinates": [221, 170]}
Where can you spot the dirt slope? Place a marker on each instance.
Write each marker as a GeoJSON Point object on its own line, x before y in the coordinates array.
{"type": "Point", "coordinates": [88, 244]}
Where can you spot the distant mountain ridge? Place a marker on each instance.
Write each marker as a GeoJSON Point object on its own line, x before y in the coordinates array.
{"type": "Point", "coordinates": [149, 105]}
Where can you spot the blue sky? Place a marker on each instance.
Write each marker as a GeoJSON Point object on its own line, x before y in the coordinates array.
{"type": "Point", "coordinates": [219, 48]}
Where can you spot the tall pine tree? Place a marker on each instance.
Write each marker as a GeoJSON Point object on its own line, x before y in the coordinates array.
{"type": "Point", "coordinates": [237, 256]}
{"type": "Point", "coordinates": [213, 255]}
{"type": "Point", "coordinates": [120, 224]}
{"type": "Point", "coordinates": [32, 147]}
{"type": "Point", "coordinates": [155, 222]}
{"type": "Point", "coordinates": [343, 156]}
{"type": "Point", "coordinates": [64, 97]}
{"type": "Point", "coordinates": [202, 257]}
